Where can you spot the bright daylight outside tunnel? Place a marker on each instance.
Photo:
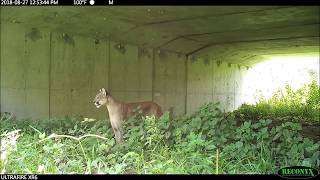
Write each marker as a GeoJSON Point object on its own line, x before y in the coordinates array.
{"type": "Point", "coordinates": [159, 89]}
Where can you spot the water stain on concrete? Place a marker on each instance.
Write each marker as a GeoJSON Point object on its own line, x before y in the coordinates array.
{"type": "Point", "coordinates": [219, 63]}
{"type": "Point", "coordinates": [193, 59]}
{"type": "Point", "coordinates": [144, 52]}
{"type": "Point", "coordinates": [206, 61]}
{"type": "Point", "coordinates": [120, 48]}
{"type": "Point", "coordinates": [68, 39]}
{"type": "Point", "coordinates": [96, 43]}
{"type": "Point", "coordinates": [34, 34]}
{"type": "Point", "coordinates": [162, 55]}
{"type": "Point", "coordinates": [50, 17]}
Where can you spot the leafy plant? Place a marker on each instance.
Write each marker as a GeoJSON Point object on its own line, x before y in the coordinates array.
{"type": "Point", "coordinates": [301, 105]}
{"type": "Point", "coordinates": [205, 142]}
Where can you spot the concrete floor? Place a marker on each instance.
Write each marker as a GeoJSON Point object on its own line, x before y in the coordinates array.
{"type": "Point", "coordinates": [54, 59]}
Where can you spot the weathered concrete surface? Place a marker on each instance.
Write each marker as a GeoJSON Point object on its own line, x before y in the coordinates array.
{"type": "Point", "coordinates": [58, 74]}
{"type": "Point", "coordinates": [249, 53]}
{"type": "Point", "coordinates": [24, 71]}
{"type": "Point", "coordinates": [36, 60]}
{"type": "Point", "coordinates": [98, 75]}
{"type": "Point", "coordinates": [224, 85]}
{"type": "Point", "coordinates": [178, 29]}
{"type": "Point", "coordinates": [54, 59]}
{"type": "Point", "coordinates": [12, 73]}
{"type": "Point", "coordinates": [46, 75]}
{"type": "Point", "coordinates": [215, 81]}
{"type": "Point", "coordinates": [200, 83]}
{"type": "Point", "coordinates": [170, 81]}
{"type": "Point", "coordinates": [130, 73]}
{"type": "Point", "coordinates": [240, 96]}
{"type": "Point", "coordinates": [72, 67]}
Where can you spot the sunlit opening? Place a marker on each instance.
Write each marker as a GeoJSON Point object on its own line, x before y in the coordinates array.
{"type": "Point", "coordinates": [265, 78]}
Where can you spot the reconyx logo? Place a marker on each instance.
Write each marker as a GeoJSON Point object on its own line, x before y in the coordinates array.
{"type": "Point", "coordinates": [298, 172]}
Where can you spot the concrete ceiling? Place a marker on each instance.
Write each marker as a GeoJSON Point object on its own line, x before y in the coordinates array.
{"type": "Point", "coordinates": [223, 32]}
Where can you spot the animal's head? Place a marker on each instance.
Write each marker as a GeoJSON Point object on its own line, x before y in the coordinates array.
{"type": "Point", "coordinates": [101, 98]}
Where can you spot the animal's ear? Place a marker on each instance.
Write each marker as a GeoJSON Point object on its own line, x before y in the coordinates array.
{"type": "Point", "coordinates": [104, 91]}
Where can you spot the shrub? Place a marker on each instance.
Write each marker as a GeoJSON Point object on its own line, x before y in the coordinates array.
{"type": "Point", "coordinates": [206, 142]}
{"type": "Point", "coordinates": [302, 105]}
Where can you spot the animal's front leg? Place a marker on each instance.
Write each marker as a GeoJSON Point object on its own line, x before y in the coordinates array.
{"type": "Point", "coordinates": [117, 132]}
{"type": "Point", "coordinates": [118, 136]}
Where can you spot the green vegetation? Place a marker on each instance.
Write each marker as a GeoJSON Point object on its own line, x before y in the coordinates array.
{"type": "Point", "coordinates": [207, 141]}
{"type": "Point", "coordinates": [302, 105]}
{"type": "Point", "coordinates": [258, 139]}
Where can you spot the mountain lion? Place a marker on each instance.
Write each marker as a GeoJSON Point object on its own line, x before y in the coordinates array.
{"type": "Point", "coordinates": [120, 111]}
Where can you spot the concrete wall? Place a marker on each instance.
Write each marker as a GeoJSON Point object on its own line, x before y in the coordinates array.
{"type": "Point", "coordinates": [78, 68]}
{"type": "Point", "coordinates": [24, 71]}
{"type": "Point", "coordinates": [130, 73]}
{"type": "Point", "coordinates": [170, 81]}
{"type": "Point", "coordinates": [46, 74]}
{"type": "Point", "coordinates": [210, 80]}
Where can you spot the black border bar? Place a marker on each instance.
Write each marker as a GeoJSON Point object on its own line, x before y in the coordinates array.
{"type": "Point", "coordinates": [155, 2]}
{"type": "Point", "coordinates": [139, 176]}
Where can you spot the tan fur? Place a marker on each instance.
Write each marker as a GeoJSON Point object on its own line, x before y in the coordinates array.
{"type": "Point", "coordinates": [120, 111]}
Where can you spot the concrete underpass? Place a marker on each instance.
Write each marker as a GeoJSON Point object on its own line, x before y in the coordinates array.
{"type": "Point", "coordinates": [55, 59]}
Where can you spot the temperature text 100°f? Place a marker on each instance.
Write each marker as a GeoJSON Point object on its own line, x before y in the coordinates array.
{"type": "Point", "coordinates": [79, 2]}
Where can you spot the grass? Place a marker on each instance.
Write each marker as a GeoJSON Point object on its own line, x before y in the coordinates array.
{"type": "Point", "coordinates": [192, 145]}
{"type": "Point", "coordinates": [301, 105]}
{"type": "Point", "coordinates": [206, 142]}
